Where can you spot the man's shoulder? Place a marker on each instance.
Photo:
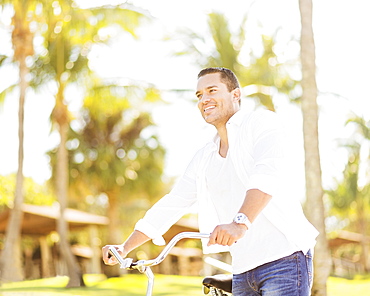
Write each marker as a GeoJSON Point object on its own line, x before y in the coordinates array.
{"type": "Point", "coordinates": [259, 115]}
{"type": "Point", "coordinates": [260, 112]}
{"type": "Point", "coordinates": [245, 116]}
{"type": "Point", "coordinates": [200, 156]}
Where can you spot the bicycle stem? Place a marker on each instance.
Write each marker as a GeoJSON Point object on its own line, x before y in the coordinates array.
{"type": "Point", "coordinates": [147, 263]}
{"type": "Point", "coordinates": [150, 285]}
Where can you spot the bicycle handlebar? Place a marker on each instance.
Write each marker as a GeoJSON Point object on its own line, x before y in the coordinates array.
{"type": "Point", "coordinates": [141, 264]}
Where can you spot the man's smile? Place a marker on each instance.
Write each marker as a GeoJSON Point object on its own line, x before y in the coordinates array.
{"type": "Point", "coordinates": [208, 109]}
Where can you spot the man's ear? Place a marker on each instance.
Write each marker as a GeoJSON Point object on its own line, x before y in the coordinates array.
{"type": "Point", "coordinates": [237, 94]}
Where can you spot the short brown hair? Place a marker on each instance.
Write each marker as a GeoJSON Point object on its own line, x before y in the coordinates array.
{"type": "Point", "coordinates": [227, 76]}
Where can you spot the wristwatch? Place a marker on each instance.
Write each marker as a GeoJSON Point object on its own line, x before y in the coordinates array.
{"type": "Point", "coordinates": [241, 218]}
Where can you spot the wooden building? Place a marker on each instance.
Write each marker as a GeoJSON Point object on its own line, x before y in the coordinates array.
{"type": "Point", "coordinates": [41, 258]}
{"type": "Point", "coordinates": [346, 262]}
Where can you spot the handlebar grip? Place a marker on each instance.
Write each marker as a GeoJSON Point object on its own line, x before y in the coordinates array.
{"type": "Point", "coordinates": [124, 263]}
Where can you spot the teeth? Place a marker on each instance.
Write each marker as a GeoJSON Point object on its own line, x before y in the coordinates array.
{"type": "Point", "coordinates": [210, 107]}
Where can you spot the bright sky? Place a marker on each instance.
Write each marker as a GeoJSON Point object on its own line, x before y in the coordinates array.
{"type": "Point", "coordinates": [341, 29]}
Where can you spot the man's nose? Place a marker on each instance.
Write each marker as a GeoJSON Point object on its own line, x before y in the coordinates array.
{"type": "Point", "coordinates": [205, 99]}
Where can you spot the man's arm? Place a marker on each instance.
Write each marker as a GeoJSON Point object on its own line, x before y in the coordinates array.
{"type": "Point", "coordinates": [255, 201]}
{"type": "Point", "coordinates": [135, 240]}
{"type": "Point", "coordinates": [227, 234]}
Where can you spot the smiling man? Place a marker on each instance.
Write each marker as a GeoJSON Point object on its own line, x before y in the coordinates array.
{"type": "Point", "coordinates": [239, 186]}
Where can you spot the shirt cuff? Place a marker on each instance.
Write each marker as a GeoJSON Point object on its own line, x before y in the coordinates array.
{"type": "Point", "coordinates": [150, 231]}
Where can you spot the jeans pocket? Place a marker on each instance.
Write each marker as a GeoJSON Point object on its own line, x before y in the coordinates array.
{"type": "Point", "coordinates": [309, 264]}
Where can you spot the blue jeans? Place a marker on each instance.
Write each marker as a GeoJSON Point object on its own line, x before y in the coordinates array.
{"type": "Point", "coordinates": [288, 276]}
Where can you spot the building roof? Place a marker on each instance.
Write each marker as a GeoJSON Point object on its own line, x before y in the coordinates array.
{"type": "Point", "coordinates": [347, 237]}
{"type": "Point", "coordinates": [41, 220]}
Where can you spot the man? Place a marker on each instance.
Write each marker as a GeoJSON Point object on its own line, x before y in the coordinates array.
{"type": "Point", "coordinates": [238, 183]}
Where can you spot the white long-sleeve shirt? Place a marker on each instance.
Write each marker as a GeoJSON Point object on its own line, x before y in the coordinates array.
{"type": "Point", "coordinates": [257, 155]}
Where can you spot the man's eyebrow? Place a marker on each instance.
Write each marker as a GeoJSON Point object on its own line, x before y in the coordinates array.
{"type": "Point", "coordinates": [207, 88]}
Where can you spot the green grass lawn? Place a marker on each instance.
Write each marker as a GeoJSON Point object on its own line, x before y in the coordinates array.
{"type": "Point", "coordinates": [343, 287]}
{"type": "Point", "coordinates": [98, 285]}
{"type": "Point", "coordinates": [135, 285]}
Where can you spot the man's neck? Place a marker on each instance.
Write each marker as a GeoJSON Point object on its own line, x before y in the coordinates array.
{"type": "Point", "coordinates": [224, 142]}
{"type": "Point", "coordinates": [222, 133]}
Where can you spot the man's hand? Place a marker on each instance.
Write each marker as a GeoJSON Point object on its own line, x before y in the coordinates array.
{"type": "Point", "coordinates": [108, 257]}
{"type": "Point", "coordinates": [136, 239]}
{"type": "Point", "coordinates": [227, 234]}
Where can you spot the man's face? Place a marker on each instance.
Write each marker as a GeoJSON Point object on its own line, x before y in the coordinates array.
{"type": "Point", "coordinates": [216, 103]}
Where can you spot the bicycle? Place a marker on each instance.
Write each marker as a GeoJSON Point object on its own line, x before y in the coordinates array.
{"type": "Point", "coordinates": [218, 285]}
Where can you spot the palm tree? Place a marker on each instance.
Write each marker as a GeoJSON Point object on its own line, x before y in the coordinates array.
{"type": "Point", "coordinates": [22, 40]}
{"type": "Point", "coordinates": [314, 191]}
{"type": "Point", "coordinates": [117, 159]}
{"type": "Point", "coordinates": [70, 34]}
{"type": "Point", "coordinates": [263, 77]}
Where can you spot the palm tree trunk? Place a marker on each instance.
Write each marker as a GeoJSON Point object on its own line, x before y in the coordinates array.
{"type": "Point", "coordinates": [74, 270]}
{"type": "Point", "coordinates": [11, 257]}
{"type": "Point", "coordinates": [11, 263]}
{"type": "Point", "coordinates": [314, 191]}
{"type": "Point", "coordinates": [60, 114]}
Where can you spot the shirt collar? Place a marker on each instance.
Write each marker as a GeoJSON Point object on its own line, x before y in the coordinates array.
{"type": "Point", "coordinates": [238, 117]}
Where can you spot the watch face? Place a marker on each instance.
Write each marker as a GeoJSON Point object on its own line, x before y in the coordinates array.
{"type": "Point", "coordinates": [239, 218]}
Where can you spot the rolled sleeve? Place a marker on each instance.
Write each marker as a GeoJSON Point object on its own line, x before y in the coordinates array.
{"type": "Point", "coordinates": [150, 231]}
{"type": "Point", "coordinates": [265, 183]}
